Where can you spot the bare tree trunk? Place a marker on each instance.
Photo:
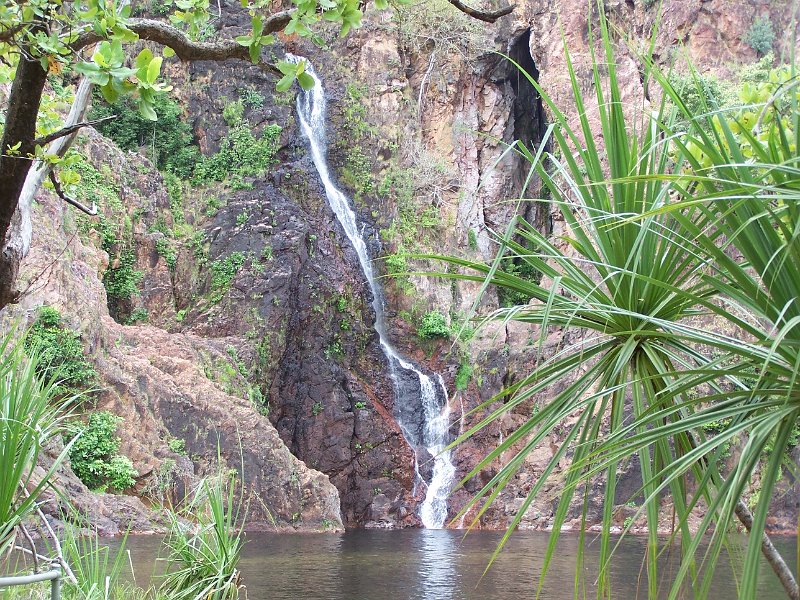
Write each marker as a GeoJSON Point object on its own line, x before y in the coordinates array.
{"type": "Point", "coordinates": [16, 149]}
{"type": "Point", "coordinates": [41, 170]}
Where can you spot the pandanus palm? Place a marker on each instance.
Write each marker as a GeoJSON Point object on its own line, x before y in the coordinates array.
{"type": "Point", "coordinates": [31, 418]}
{"type": "Point", "coordinates": [639, 269]}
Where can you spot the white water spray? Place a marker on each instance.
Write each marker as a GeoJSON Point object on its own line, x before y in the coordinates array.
{"type": "Point", "coordinates": [433, 436]}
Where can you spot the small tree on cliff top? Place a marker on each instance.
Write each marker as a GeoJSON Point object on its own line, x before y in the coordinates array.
{"type": "Point", "coordinates": [92, 38]}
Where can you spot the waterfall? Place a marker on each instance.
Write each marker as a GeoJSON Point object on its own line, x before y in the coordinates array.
{"type": "Point", "coordinates": [421, 403]}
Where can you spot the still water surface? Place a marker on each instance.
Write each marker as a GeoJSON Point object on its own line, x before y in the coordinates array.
{"type": "Point", "coordinates": [435, 565]}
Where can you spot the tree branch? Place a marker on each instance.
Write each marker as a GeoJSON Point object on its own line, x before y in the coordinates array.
{"type": "Point", "coordinates": [9, 33]}
{"type": "Point", "coordinates": [92, 212]}
{"type": "Point", "coordinates": [773, 557]}
{"type": "Point", "coordinates": [185, 48]}
{"type": "Point", "coordinates": [33, 547]}
{"type": "Point", "coordinates": [51, 137]}
{"type": "Point", "coordinates": [488, 17]}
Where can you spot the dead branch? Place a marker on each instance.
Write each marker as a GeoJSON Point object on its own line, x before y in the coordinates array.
{"type": "Point", "coordinates": [51, 137]}
{"type": "Point", "coordinates": [488, 17]}
{"type": "Point", "coordinates": [92, 212]}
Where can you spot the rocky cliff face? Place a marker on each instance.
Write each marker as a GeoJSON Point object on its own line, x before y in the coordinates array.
{"type": "Point", "coordinates": [260, 333]}
{"type": "Point", "coordinates": [166, 385]}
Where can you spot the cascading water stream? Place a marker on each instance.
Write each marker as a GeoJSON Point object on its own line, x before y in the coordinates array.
{"type": "Point", "coordinates": [415, 391]}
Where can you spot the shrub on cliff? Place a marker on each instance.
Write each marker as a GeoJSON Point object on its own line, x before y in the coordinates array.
{"type": "Point", "coordinates": [60, 352]}
{"type": "Point", "coordinates": [760, 36]}
{"type": "Point", "coordinates": [94, 455]}
{"type": "Point", "coordinates": [433, 325]}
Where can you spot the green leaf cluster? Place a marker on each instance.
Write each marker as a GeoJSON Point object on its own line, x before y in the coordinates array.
{"type": "Point", "coordinates": [107, 70]}
{"type": "Point", "coordinates": [241, 154]}
{"type": "Point", "coordinates": [94, 455]}
{"type": "Point", "coordinates": [222, 273]}
{"type": "Point", "coordinates": [294, 71]}
{"type": "Point", "coordinates": [60, 353]}
{"type": "Point", "coordinates": [433, 325]}
{"type": "Point", "coordinates": [192, 15]}
{"type": "Point", "coordinates": [256, 39]}
{"type": "Point", "coordinates": [168, 143]}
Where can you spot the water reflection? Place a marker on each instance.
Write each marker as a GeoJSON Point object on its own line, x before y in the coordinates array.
{"type": "Point", "coordinates": [443, 565]}
{"type": "Point", "coordinates": [436, 564]}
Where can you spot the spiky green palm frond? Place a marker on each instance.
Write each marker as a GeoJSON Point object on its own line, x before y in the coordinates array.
{"type": "Point", "coordinates": [652, 253]}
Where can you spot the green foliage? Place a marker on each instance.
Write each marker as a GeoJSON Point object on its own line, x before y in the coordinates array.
{"type": "Point", "coordinates": [91, 186]}
{"type": "Point", "coordinates": [167, 251]}
{"type": "Point", "coordinates": [138, 315]}
{"type": "Point", "coordinates": [760, 37]}
{"type": "Point", "coordinates": [174, 187]}
{"type": "Point", "coordinates": [433, 325]}
{"type": "Point", "coordinates": [177, 445]}
{"type": "Point", "coordinates": [702, 93]}
{"type": "Point", "coordinates": [759, 71]}
{"type": "Point", "coordinates": [397, 268]}
{"type": "Point", "coordinates": [31, 413]}
{"type": "Point", "coordinates": [522, 269]}
{"type": "Point", "coordinates": [113, 227]}
{"type": "Point", "coordinates": [237, 362]}
{"type": "Point", "coordinates": [416, 222]}
{"type": "Point", "coordinates": [716, 426]}
{"type": "Point", "coordinates": [317, 408]}
{"type": "Point", "coordinates": [222, 273]}
{"type": "Point", "coordinates": [758, 133]}
{"type": "Point", "coordinates": [204, 558]}
{"type": "Point", "coordinates": [252, 98]}
{"type": "Point", "coordinates": [122, 280]}
{"type": "Point", "coordinates": [213, 204]}
{"type": "Point", "coordinates": [169, 143]}
{"type": "Point", "coordinates": [472, 239]}
{"type": "Point", "coordinates": [60, 353]}
{"type": "Point", "coordinates": [233, 113]}
{"type": "Point", "coordinates": [355, 112]}
{"type": "Point", "coordinates": [463, 375]}
{"type": "Point", "coordinates": [357, 172]}
{"type": "Point", "coordinates": [334, 348]}
{"type": "Point", "coordinates": [241, 154]}
{"type": "Point", "coordinates": [94, 456]}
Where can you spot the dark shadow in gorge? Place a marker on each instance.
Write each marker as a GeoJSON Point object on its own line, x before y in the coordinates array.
{"type": "Point", "coordinates": [530, 125]}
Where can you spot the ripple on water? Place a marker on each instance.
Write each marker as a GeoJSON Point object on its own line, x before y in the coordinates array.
{"type": "Point", "coordinates": [424, 564]}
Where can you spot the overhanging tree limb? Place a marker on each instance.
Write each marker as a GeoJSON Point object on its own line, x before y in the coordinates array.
{"type": "Point", "coordinates": [486, 16]}
{"type": "Point", "coordinates": [185, 48]}
{"type": "Point", "coordinates": [69, 129]}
